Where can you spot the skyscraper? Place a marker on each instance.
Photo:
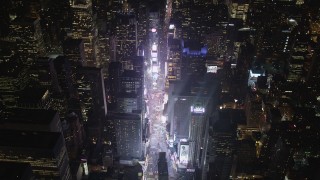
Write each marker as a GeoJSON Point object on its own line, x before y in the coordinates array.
{"type": "Point", "coordinates": [91, 89]}
{"type": "Point", "coordinates": [45, 151]}
{"type": "Point", "coordinates": [84, 27]}
{"type": "Point", "coordinates": [27, 33]}
{"type": "Point", "coordinates": [73, 49]}
{"type": "Point", "coordinates": [128, 127]}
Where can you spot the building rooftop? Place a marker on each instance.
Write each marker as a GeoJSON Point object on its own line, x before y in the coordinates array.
{"type": "Point", "coordinates": [126, 116]}
{"type": "Point", "coordinates": [32, 95]}
{"type": "Point", "coordinates": [28, 139]}
{"type": "Point", "coordinates": [193, 45]}
{"type": "Point", "coordinates": [24, 20]}
{"type": "Point", "coordinates": [130, 73]}
{"type": "Point", "coordinates": [27, 116]}
{"type": "Point", "coordinates": [10, 69]}
{"type": "Point", "coordinates": [236, 116]}
{"type": "Point", "coordinates": [15, 170]}
{"type": "Point", "coordinates": [194, 87]}
{"type": "Point", "coordinates": [72, 42]}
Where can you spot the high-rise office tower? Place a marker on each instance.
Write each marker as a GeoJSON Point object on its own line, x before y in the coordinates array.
{"type": "Point", "coordinates": [73, 133]}
{"type": "Point", "coordinates": [125, 42]}
{"type": "Point", "coordinates": [131, 82]}
{"type": "Point", "coordinates": [27, 34]}
{"type": "Point", "coordinates": [197, 130]}
{"type": "Point", "coordinates": [115, 71]}
{"type": "Point", "coordinates": [73, 49]}
{"type": "Point", "coordinates": [30, 119]}
{"type": "Point", "coordinates": [104, 35]}
{"type": "Point", "coordinates": [84, 27]}
{"type": "Point", "coordinates": [128, 129]}
{"type": "Point", "coordinates": [91, 89]}
{"type": "Point", "coordinates": [16, 170]}
{"type": "Point", "coordinates": [173, 69]}
{"type": "Point", "coordinates": [190, 105]}
{"type": "Point", "coordinates": [163, 166]}
{"type": "Point", "coordinates": [56, 20]}
{"type": "Point", "coordinates": [65, 75]}
{"type": "Point", "coordinates": [127, 103]}
{"type": "Point", "coordinates": [45, 151]}
{"type": "Point", "coordinates": [13, 78]}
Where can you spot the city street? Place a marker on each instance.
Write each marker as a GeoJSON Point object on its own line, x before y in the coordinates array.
{"type": "Point", "coordinates": [157, 140]}
{"type": "Point", "coordinates": [154, 81]}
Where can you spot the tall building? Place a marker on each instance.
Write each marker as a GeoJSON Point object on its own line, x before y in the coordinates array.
{"type": "Point", "coordinates": [27, 34]}
{"type": "Point", "coordinates": [65, 74]}
{"type": "Point", "coordinates": [189, 107]}
{"type": "Point", "coordinates": [45, 151]}
{"type": "Point", "coordinates": [91, 90]}
{"type": "Point", "coordinates": [73, 133]}
{"type": "Point", "coordinates": [187, 99]}
{"type": "Point", "coordinates": [73, 49]}
{"type": "Point", "coordinates": [16, 170]}
{"type": "Point", "coordinates": [84, 27]}
{"type": "Point", "coordinates": [56, 21]}
{"type": "Point", "coordinates": [198, 131]}
{"type": "Point", "coordinates": [127, 103]}
{"type": "Point", "coordinates": [13, 78]}
{"type": "Point", "coordinates": [173, 69]}
{"type": "Point", "coordinates": [238, 9]}
{"type": "Point", "coordinates": [114, 71]}
{"type": "Point", "coordinates": [193, 59]}
{"type": "Point", "coordinates": [125, 41]}
{"type": "Point", "coordinates": [131, 82]}
{"type": "Point", "coordinates": [128, 127]}
{"type": "Point", "coordinates": [163, 166]}
{"type": "Point", "coordinates": [30, 119]}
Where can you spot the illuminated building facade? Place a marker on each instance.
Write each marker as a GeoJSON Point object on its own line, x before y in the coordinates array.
{"type": "Point", "coordinates": [131, 83]}
{"type": "Point", "coordinates": [73, 133]}
{"type": "Point", "coordinates": [190, 105]}
{"type": "Point", "coordinates": [198, 131]}
{"type": "Point", "coordinates": [45, 151]}
{"type": "Point", "coordinates": [12, 80]}
{"type": "Point", "coordinates": [91, 89]}
{"type": "Point", "coordinates": [238, 9]}
{"type": "Point", "coordinates": [128, 129]}
{"type": "Point", "coordinates": [127, 103]}
{"type": "Point", "coordinates": [124, 42]}
{"type": "Point", "coordinates": [173, 69]}
{"type": "Point", "coordinates": [27, 34]}
{"type": "Point", "coordinates": [84, 27]}
{"type": "Point", "coordinates": [31, 119]}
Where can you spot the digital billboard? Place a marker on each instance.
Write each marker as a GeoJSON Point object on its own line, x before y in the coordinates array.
{"type": "Point", "coordinates": [155, 69]}
{"type": "Point", "coordinates": [154, 47]}
{"type": "Point", "coordinates": [154, 59]}
{"type": "Point", "coordinates": [184, 154]}
{"type": "Point", "coordinates": [154, 54]}
{"type": "Point", "coordinates": [212, 69]}
{"type": "Point", "coordinates": [197, 109]}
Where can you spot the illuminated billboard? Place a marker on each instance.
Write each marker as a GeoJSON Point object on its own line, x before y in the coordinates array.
{"type": "Point", "coordinates": [184, 154]}
{"type": "Point", "coordinates": [197, 109]}
{"type": "Point", "coordinates": [85, 168]}
{"type": "Point", "coordinates": [154, 59]}
{"type": "Point", "coordinates": [155, 69]}
{"type": "Point", "coordinates": [154, 47]}
{"type": "Point", "coordinates": [154, 54]}
{"type": "Point", "coordinates": [212, 69]}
